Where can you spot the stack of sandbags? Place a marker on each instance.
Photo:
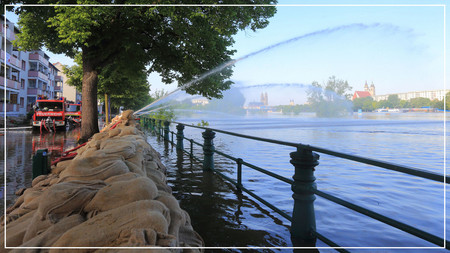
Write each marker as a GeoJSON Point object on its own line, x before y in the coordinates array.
{"type": "Point", "coordinates": [112, 194]}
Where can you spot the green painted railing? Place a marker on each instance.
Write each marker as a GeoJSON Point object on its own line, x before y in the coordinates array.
{"type": "Point", "coordinates": [303, 227]}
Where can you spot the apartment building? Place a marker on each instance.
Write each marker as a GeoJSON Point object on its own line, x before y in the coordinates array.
{"type": "Point", "coordinates": [69, 92]}
{"type": "Point", "coordinates": [29, 75]}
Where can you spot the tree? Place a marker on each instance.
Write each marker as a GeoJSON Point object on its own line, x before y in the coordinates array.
{"type": "Point", "coordinates": [420, 102]}
{"type": "Point", "coordinates": [447, 101]}
{"type": "Point", "coordinates": [181, 43]}
{"type": "Point", "coordinates": [393, 101]}
{"type": "Point", "coordinates": [365, 104]}
{"type": "Point", "coordinates": [331, 99]}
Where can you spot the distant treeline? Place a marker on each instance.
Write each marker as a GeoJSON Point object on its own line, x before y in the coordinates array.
{"type": "Point", "coordinates": [393, 101]}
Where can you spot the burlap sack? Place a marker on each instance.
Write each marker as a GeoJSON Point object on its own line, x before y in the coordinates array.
{"type": "Point", "coordinates": [36, 226]}
{"type": "Point", "coordinates": [64, 199]}
{"type": "Point", "coordinates": [98, 167]}
{"type": "Point", "coordinates": [188, 237]}
{"type": "Point", "coordinates": [52, 234]}
{"type": "Point", "coordinates": [15, 231]}
{"type": "Point", "coordinates": [60, 167]}
{"type": "Point", "coordinates": [177, 217]}
{"type": "Point", "coordinates": [128, 130]}
{"type": "Point", "coordinates": [144, 214]}
{"type": "Point", "coordinates": [120, 193]}
{"type": "Point", "coordinates": [26, 203]}
{"type": "Point", "coordinates": [123, 146]}
{"type": "Point", "coordinates": [122, 177]}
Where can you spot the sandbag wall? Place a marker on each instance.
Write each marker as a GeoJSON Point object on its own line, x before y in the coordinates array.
{"type": "Point", "coordinates": [112, 194]}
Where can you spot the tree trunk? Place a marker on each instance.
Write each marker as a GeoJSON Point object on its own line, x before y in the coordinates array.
{"type": "Point", "coordinates": [89, 122]}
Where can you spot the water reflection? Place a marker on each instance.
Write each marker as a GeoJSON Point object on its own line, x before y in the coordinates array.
{"type": "Point", "coordinates": [21, 145]}
{"type": "Point", "coordinates": [222, 215]}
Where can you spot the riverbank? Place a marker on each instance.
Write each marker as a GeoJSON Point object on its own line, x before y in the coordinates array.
{"type": "Point", "coordinates": [94, 199]}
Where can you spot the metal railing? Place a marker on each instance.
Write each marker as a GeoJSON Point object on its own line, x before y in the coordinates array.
{"type": "Point", "coordinates": [303, 228]}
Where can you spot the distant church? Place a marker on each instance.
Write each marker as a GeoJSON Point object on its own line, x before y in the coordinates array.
{"type": "Point", "coordinates": [368, 92]}
{"type": "Point", "coordinates": [264, 101]}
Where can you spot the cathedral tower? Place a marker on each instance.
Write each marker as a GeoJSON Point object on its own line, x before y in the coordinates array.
{"type": "Point", "coordinates": [372, 90]}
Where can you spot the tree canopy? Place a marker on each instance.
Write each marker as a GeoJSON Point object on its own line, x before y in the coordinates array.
{"type": "Point", "coordinates": [330, 99]}
{"type": "Point", "coordinates": [178, 42]}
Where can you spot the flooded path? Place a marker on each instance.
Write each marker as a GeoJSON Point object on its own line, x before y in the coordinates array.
{"type": "Point", "coordinates": [21, 144]}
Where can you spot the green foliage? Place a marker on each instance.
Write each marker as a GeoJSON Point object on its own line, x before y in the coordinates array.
{"type": "Point", "coordinates": [419, 102]}
{"type": "Point", "coordinates": [203, 124]}
{"type": "Point", "coordinates": [179, 42]}
{"type": "Point", "coordinates": [162, 115]}
{"type": "Point", "coordinates": [331, 99]}
{"type": "Point", "coordinates": [294, 109]}
{"type": "Point", "coordinates": [365, 104]}
{"type": "Point", "coordinates": [447, 101]}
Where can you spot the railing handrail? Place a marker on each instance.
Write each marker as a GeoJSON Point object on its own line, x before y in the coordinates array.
{"type": "Point", "coordinates": [378, 163]}
{"type": "Point", "coordinates": [209, 134]}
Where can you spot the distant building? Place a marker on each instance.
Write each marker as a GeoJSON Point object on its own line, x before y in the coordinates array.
{"type": "Point", "coordinates": [291, 102]}
{"type": "Point", "coordinates": [368, 92]}
{"type": "Point", "coordinates": [200, 101]}
{"type": "Point", "coordinates": [69, 92]}
{"type": "Point", "coordinates": [264, 99]}
{"type": "Point", "coordinates": [263, 104]}
{"type": "Point", "coordinates": [29, 74]}
{"type": "Point", "coordinates": [430, 94]}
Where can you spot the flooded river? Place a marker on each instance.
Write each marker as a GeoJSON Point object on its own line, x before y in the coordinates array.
{"type": "Point", "coordinates": [225, 217]}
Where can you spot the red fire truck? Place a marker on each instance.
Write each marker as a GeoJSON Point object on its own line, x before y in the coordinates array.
{"type": "Point", "coordinates": [73, 113]}
{"type": "Point", "coordinates": [49, 114]}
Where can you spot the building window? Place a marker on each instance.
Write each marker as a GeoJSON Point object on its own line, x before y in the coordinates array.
{"type": "Point", "coordinates": [22, 83]}
{"type": "Point", "coordinates": [31, 83]}
{"type": "Point", "coordinates": [21, 102]}
{"type": "Point", "coordinates": [13, 99]}
{"type": "Point", "coordinates": [24, 65]}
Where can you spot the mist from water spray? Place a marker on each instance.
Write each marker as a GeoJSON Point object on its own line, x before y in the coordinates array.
{"type": "Point", "coordinates": [232, 62]}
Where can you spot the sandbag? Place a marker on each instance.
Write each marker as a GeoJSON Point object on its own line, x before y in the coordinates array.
{"type": "Point", "coordinates": [122, 177]}
{"type": "Point", "coordinates": [144, 214]}
{"type": "Point", "coordinates": [98, 167]}
{"type": "Point", "coordinates": [64, 199]}
{"type": "Point", "coordinates": [52, 234]}
{"type": "Point", "coordinates": [120, 193]}
{"type": "Point", "coordinates": [177, 217]}
{"type": "Point", "coordinates": [15, 231]}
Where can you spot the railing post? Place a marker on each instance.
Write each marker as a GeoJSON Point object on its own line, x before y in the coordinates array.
{"type": "Point", "coordinates": [191, 155]}
{"type": "Point", "coordinates": [239, 173]}
{"type": "Point", "coordinates": [41, 163]}
{"type": "Point", "coordinates": [166, 130]}
{"type": "Point", "coordinates": [152, 124]}
{"type": "Point", "coordinates": [303, 216]}
{"type": "Point", "coordinates": [208, 149]}
{"type": "Point", "coordinates": [180, 136]}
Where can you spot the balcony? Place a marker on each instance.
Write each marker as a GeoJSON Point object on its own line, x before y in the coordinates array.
{"type": "Point", "coordinates": [13, 84]}
{"type": "Point", "coordinates": [58, 88]}
{"type": "Point", "coordinates": [9, 83]}
{"type": "Point", "coordinates": [58, 78]}
{"type": "Point", "coordinates": [38, 57]}
{"type": "Point", "coordinates": [9, 107]}
{"type": "Point", "coordinates": [10, 35]}
{"type": "Point", "coordinates": [32, 91]}
{"type": "Point", "coordinates": [35, 73]}
{"type": "Point", "coordinates": [14, 61]}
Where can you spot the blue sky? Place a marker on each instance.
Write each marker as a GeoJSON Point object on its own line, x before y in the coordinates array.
{"type": "Point", "coordinates": [398, 48]}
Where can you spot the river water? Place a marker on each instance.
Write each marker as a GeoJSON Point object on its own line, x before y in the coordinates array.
{"type": "Point", "coordinates": [225, 217]}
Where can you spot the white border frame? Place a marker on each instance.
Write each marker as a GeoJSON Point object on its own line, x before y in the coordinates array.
{"type": "Point", "coordinates": [232, 5]}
